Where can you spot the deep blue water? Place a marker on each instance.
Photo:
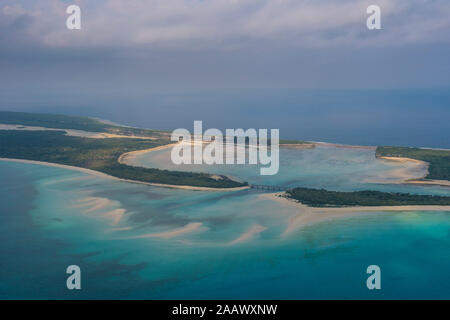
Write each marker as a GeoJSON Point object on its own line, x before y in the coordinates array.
{"type": "Point", "coordinates": [406, 117]}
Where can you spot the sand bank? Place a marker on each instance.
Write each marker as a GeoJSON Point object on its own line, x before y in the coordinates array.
{"type": "Point", "coordinates": [420, 180]}
{"type": "Point", "coordinates": [189, 228]}
{"type": "Point", "coordinates": [297, 145]}
{"type": "Point", "coordinates": [444, 183]}
{"type": "Point", "coordinates": [98, 205]}
{"type": "Point", "coordinates": [406, 170]}
{"type": "Point", "coordinates": [72, 132]}
{"type": "Point", "coordinates": [106, 176]}
{"type": "Point", "coordinates": [250, 233]}
{"type": "Point", "coordinates": [306, 215]}
{"type": "Point", "coordinates": [403, 160]}
{"type": "Point", "coordinates": [126, 158]}
{"type": "Point", "coordinates": [343, 146]}
{"type": "Point", "coordinates": [93, 204]}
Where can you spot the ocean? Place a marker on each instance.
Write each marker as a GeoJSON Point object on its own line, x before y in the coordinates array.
{"type": "Point", "coordinates": [134, 241]}
{"type": "Point", "coordinates": [398, 117]}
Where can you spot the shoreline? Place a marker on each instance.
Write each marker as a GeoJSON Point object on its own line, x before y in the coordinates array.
{"type": "Point", "coordinates": [306, 215]}
{"type": "Point", "coordinates": [125, 158]}
{"type": "Point", "coordinates": [343, 146]}
{"type": "Point", "coordinates": [132, 154]}
{"type": "Point", "coordinates": [72, 132]}
{"type": "Point", "coordinates": [107, 176]}
{"type": "Point", "coordinates": [297, 145]}
{"type": "Point", "coordinates": [419, 181]}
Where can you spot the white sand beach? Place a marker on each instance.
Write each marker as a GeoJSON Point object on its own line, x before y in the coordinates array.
{"type": "Point", "coordinates": [420, 166]}
{"type": "Point", "coordinates": [106, 176]}
{"type": "Point", "coordinates": [444, 183]}
{"type": "Point", "coordinates": [343, 146]}
{"type": "Point", "coordinates": [126, 158]}
{"type": "Point", "coordinates": [305, 215]}
{"type": "Point", "coordinates": [297, 145]}
{"type": "Point", "coordinates": [72, 132]}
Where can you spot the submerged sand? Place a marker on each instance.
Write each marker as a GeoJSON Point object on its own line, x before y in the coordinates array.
{"type": "Point", "coordinates": [187, 229]}
{"type": "Point", "coordinates": [247, 235]}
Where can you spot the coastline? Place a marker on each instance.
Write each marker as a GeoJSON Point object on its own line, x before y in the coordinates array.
{"type": "Point", "coordinates": [419, 181]}
{"type": "Point", "coordinates": [343, 146]}
{"type": "Point", "coordinates": [425, 182]}
{"type": "Point", "coordinates": [72, 132]}
{"type": "Point", "coordinates": [106, 176]}
{"type": "Point", "coordinates": [306, 215]}
{"type": "Point", "coordinates": [297, 145]}
{"type": "Point", "coordinates": [127, 156]}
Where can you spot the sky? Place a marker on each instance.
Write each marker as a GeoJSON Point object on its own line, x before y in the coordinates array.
{"type": "Point", "coordinates": [129, 51]}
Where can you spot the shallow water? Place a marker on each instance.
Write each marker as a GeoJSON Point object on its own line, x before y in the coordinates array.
{"type": "Point", "coordinates": [331, 168]}
{"type": "Point", "coordinates": [136, 241]}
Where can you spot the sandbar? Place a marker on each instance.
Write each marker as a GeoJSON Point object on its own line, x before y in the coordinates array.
{"type": "Point", "coordinates": [306, 215]}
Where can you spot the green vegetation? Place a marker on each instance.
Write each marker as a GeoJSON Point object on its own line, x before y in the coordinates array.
{"type": "Point", "coordinates": [439, 160]}
{"type": "Point", "coordinates": [55, 121]}
{"type": "Point", "coordinates": [100, 155]}
{"type": "Point", "coordinates": [325, 198]}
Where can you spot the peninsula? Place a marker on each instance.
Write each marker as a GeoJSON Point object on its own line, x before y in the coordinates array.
{"type": "Point", "coordinates": [100, 154]}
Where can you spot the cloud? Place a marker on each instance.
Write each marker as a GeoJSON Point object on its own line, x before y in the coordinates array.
{"type": "Point", "coordinates": [224, 23]}
{"type": "Point", "coordinates": [129, 47]}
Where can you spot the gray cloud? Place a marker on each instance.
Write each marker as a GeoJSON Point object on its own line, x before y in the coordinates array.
{"type": "Point", "coordinates": [235, 63]}
{"type": "Point", "coordinates": [226, 23]}
{"type": "Point", "coordinates": [127, 49]}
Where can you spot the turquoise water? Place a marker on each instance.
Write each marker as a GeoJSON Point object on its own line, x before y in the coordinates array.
{"type": "Point", "coordinates": [135, 241]}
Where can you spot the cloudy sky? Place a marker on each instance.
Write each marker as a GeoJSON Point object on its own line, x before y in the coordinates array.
{"type": "Point", "coordinates": [133, 47]}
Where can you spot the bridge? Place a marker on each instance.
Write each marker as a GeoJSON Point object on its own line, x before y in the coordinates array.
{"type": "Point", "coordinates": [267, 187]}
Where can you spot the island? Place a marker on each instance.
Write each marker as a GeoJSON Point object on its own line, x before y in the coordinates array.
{"type": "Point", "coordinates": [325, 198]}
{"type": "Point", "coordinates": [99, 146]}
{"type": "Point", "coordinates": [57, 121]}
{"type": "Point", "coordinates": [438, 162]}
{"type": "Point", "coordinates": [28, 138]}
